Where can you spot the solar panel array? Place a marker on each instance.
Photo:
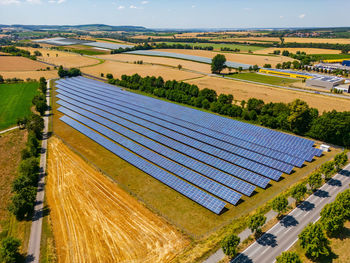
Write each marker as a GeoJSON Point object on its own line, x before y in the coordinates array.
{"type": "Point", "coordinates": [208, 158]}
{"type": "Point", "coordinates": [186, 57]}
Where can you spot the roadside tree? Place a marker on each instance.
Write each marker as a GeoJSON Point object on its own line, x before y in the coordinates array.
{"type": "Point", "coordinates": [288, 257]}
{"type": "Point", "coordinates": [229, 245]}
{"type": "Point", "coordinates": [256, 222]}
{"type": "Point", "coordinates": [218, 63]}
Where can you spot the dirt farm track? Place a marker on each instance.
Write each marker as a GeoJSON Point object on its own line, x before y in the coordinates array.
{"type": "Point", "coordinates": [95, 221]}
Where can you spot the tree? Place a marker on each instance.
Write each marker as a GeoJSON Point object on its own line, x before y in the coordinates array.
{"type": "Point", "coordinates": [298, 192]}
{"type": "Point", "coordinates": [29, 166]}
{"type": "Point", "coordinates": [279, 204]}
{"type": "Point", "coordinates": [327, 169]}
{"type": "Point", "coordinates": [9, 251]}
{"type": "Point", "coordinates": [315, 181]}
{"type": "Point", "coordinates": [23, 202]}
{"type": "Point", "coordinates": [256, 222]}
{"type": "Point", "coordinates": [1, 79]}
{"type": "Point", "coordinates": [340, 160]}
{"type": "Point", "coordinates": [314, 241]}
{"type": "Point", "coordinates": [288, 257]}
{"type": "Point", "coordinates": [300, 117]}
{"type": "Point", "coordinates": [61, 72]}
{"type": "Point", "coordinates": [343, 199]}
{"type": "Point", "coordinates": [109, 76]}
{"type": "Point", "coordinates": [41, 107]}
{"type": "Point", "coordinates": [267, 66]}
{"type": "Point", "coordinates": [333, 218]}
{"type": "Point", "coordinates": [208, 94]}
{"type": "Point", "coordinates": [218, 63]}
{"type": "Point", "coordinates": [102, 75]}
{"type": "Point", "coordinates": [229, 245]}
{"type": "Point", "coordinates": [179, 66]}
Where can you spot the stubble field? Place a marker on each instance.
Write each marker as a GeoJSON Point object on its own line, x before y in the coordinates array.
{"type": "Point", "coordinates": [120, 68]}
{"type": "Point", "coordinates": [12, 63]}
{"type": "Point", "coordinates": [294, 50]}
{"type": "Point", "coordinates": [244, 91]}
{"type": "Point", "coordinates": [95, 221]}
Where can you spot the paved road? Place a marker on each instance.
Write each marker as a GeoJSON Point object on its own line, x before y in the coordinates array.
{"type": "Point", "coordinates": [35, 231]}
{"type": "Point", "coordinates": [285, 233]}
{"type": "Point", "coordinates": [9, 129]}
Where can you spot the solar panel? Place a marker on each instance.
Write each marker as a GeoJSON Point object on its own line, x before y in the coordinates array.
{"type": "Point", "coordinates": [158, 105]}
{"type": "Point", "coordinates": [210, 202]}
{"type": "Point", "coordinates": [245, 163]}
{"type": "Point", "coordinates": [175, 126]}
{"type": "Point", "coordinates": [184, 160]}
{"type": "Point", "coordinates": [179, 170]}
{"type": "Point", "coordinates": [213, 161]}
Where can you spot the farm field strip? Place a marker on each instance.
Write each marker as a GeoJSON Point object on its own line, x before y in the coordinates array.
{"type": "Point", "coordinates": [87, 206]}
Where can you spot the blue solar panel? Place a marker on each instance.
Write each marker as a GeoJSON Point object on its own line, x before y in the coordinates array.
{"type": "Point", "coordinates": [245, 163]}
{"type": "Point", "coordinates": [259, 158]}
{"type": "Point", "coordinates": [184, 160]}
{"type": "Point", "coordinates": [213, 161]}
{"type": "Point", "coordinates": [210, 202]}
{"type": "Point", "coordinates": [179, 170]}
{"type": "Point", "coordinates": [237, 141]}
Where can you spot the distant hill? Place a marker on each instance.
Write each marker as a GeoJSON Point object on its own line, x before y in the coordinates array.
{"type": "Point", "coordinates": [89, 27]}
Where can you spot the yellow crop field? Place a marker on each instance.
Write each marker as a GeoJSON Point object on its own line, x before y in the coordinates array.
{"type": "Point", "coordinates": [95, 221]}
{"type": "Point", "coordinates": [120, 68]}
{"type": "Point", "coordinates": [244, 91]}
{"type": "Point", "coordinates": [11, 63]}
{"type": "Point", "coordinates": [159, 60]}
{"type": "Point", "coordinates": [29, 74]}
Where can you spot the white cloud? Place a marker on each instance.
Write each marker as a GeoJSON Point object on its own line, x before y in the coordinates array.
{"type": "Point", "coordinates": [9, 2]}
{"type": "Point", "coordinates": [281, 17]}
{"type": "Point", "coordinates": [34, 2]}
{"type": "Point", "coordinates": [247, 8]}
{"type": "Point", "coordinates": [302, 16]}
{"type": "Point", "coordinates": [132, 7]}
{"type": "Point", "coordinates": [144, 2]}
{"type": "Point", "coordinates": [120, 7]}
{"type": "Point", "coordinates": [57, 1]}
{"type": "Point", "coordinates": [193, 6]}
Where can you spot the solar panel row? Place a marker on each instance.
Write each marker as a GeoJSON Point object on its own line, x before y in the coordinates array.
{"type": "Point", "coordinates": [184, 160]}
{"type": "Point", "coordinates": [206, 200]}
{"type": "Point", "coordinates": [245, 163]}
{"type": "Point", "coordinates": [259, 158]}
{"type": "Point", "coordinates": [159, 104]}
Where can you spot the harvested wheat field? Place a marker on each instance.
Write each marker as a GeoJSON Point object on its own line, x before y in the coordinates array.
{"type": "Point", "coordinates": [120, 68]}
{"type": "Point", "coordinates": [11, 63]}
{"type": "Point", "coordinates": [201, 67]}
{"type": "Point", "coordinates": [29, 74]}
{"type": "Point", "coordinates": [244, 91]}
{"type": "Point", "coordinates": [66, 59]}
{"type": "Point", "coordinates": [294, 39]}
{"type": "Point", "coordinates": [240, 58]}
{"type": "Point", "coordinates": [294, 50]}
{"type": "Point", "coordinates": [95, 221]}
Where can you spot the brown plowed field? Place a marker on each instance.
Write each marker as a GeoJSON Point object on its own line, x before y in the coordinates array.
{"type": "Point", "coordinates": [12, 63]}
{"type": "Point", "coordinates": [95, 221]}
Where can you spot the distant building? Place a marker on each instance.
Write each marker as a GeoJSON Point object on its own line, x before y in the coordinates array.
{"type": "Point", "coordinates": [327, 82]}
{"type": "Point", "coordinates": [344, 88]}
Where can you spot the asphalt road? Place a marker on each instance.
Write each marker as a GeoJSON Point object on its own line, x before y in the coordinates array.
{"type": "Point", "coordinates": [285, 233]}
{"type": "Point", "coordinates": [39, 212]}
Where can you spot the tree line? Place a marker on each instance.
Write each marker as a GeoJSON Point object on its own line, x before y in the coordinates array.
{"type": "Point", "coordinates": [147, 46]}
{"type": "Point", "coordinates": [297, 116]}
{"type": "Point", "coordinates": [17, 52]}
{"type": "Point", "coordinates": [73, 72]}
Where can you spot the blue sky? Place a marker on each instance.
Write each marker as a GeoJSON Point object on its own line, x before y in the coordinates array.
{"type": "Point", "coordinates": [179, 13]}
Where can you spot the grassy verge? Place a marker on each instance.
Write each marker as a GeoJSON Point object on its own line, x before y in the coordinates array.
{"type": "Point", "coordinates": [219, 46]}
{"type": "Point", "coordinates": [263, 78]}
{"type": "Point", "coordinates": [11, 144]}
{"type": "Point", "coordinates": [16, 100]}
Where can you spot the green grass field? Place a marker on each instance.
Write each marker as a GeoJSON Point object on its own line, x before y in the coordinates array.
{"type": "Point", "coordinates": [263, 78]}
{"type": "Point", "coordinates": [219, 46]}
{"type": "Point", "coordinates": [331, 56]}
{"type": "Point", "coordinates": [16, 101]}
